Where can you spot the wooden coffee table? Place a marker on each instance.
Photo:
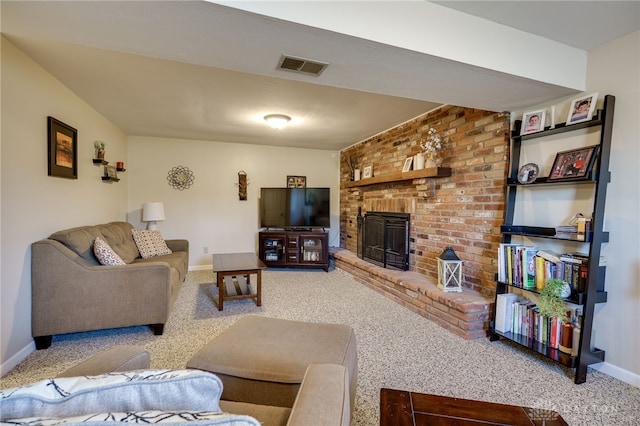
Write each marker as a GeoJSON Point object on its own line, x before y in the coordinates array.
{"type": "Point", "coordinates": [399, 408]}
{"type": "Point", "coordinates": [236, 265]}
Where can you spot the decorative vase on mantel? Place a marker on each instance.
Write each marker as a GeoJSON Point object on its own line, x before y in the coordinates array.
{"type": "Point", "coordinates": [433, 159]}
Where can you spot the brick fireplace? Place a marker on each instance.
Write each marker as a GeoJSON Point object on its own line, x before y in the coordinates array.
{"type": "Point", "coordinates": [463, 210]}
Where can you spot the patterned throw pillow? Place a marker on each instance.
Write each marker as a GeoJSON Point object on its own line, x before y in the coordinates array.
{"type": "Point", "coordinates": [163, 390]}
{"type": "Point", "coordinates": [150, 243]}
{"type": "Point", "coordinates": [105, 253]}
{"type": "Point", "coordinates": [200, 418]}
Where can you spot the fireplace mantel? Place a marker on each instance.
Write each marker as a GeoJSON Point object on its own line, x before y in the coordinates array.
{"type": "Point", "coordinates": [432, 172]}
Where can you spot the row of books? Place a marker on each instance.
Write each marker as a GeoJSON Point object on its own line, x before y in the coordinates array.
{"type": "Point", "coordinates": [529, 267]}
{"type": "Point", "coordinates": [518, 315]}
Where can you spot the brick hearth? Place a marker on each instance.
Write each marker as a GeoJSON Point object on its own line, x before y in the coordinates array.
{"type": "Point", "coordinates": [465, 314]}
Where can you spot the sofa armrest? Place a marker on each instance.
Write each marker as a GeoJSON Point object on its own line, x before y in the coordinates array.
{"type": "Point", "coordinates": [116, 358]}
{"type": "Point", "coordinates": [323, 398]}
{"type": "Point", "coordinates": [178, 245]}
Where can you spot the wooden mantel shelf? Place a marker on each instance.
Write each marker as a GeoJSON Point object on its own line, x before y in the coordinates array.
{"type": "Point", "coordinates": [433, 172]}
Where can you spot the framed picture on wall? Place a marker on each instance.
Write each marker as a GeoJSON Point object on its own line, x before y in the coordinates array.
{"type": "Point", "coordinates": [296, 181]}
{"type": "Point", "coordinates": [62, 144]}
{"type": "Point", "coordinates": [367, 172]}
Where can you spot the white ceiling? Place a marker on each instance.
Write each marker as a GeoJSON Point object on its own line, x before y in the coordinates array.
{"type": "Point", "coordinates": [200, 70]}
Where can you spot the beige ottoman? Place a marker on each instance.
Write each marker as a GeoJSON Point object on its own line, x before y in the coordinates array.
{"type": "Point", "coordinates": [263, 360]}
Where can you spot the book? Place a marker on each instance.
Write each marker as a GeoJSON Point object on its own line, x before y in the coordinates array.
{"type": "Point", "coordinates": [540, 273]}
{"type": "Point", "coordinates": [549, 255]}
{"type": "Point", "coordinates": [504, 314]}
{"type": "Point", "coordinates": [529, 267]}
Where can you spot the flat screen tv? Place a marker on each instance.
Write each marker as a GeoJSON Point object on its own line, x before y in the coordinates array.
{"type": "Point", "coordinates": [294, 208]}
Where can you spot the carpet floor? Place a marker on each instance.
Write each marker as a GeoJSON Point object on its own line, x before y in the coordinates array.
{"type": "Point", "coordinates": [396, 349]}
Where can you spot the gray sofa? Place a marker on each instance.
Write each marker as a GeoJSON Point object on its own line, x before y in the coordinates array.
{"type": "Point", "coordinates": [73, 292]}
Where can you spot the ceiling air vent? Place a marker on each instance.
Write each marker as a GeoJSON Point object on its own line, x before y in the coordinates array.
{"type": "Point", "coordinates": [305, 66]}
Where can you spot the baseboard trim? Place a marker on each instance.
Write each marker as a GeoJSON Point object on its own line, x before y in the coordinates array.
{"type": "Point", "coordinates": [201, 268]}
{"type": "Point", "coordinates": [16, 359]}
{"type": "Point", "coordinates": [617, 373]}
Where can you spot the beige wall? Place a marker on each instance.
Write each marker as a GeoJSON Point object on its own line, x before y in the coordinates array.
{"type": "Point", "coordinates": [33, 204]}
{"type": "Point", "coordinates": [209, 213]}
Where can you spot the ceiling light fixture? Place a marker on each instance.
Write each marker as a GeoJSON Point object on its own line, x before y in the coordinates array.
{"type": "Point", "coordinates": [277, 121]}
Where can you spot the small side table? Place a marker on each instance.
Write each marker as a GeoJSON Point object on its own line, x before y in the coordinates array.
{"type": "Point", "coordinates": [234, 264]}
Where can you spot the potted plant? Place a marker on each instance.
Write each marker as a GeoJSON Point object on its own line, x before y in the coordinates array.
{"type": "Point", "coordinates": [551, 303]}
{"type": "Point", "coordinates": [99, 147]}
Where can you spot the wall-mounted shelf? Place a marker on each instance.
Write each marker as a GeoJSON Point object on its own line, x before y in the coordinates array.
{"type": "Point", "coordinates": [100, 161]}
{"type": "Point", "coordinates": [432, 172]}
{"type": "Point", "coordinates": [111, 179]}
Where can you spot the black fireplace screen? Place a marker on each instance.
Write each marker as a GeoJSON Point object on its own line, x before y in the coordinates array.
{"type": "Point", "coordinates": [383, 239]}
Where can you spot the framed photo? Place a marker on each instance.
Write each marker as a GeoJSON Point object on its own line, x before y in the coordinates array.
{"type": "Point", "coordinates": [582, 109]}
{"type": "Point", "coordinates": [573, 164]}
{"type": "Point", "coordinates": [296, 181]}
{"type": "Point", "coordinates": [528, 173]}
{"type": "Point", "coordinates": [367, 172]}
{"type": "Point", "coordinates": [111, 172]}
{"type": "Point", "coordinates": [532, 122]}
{"type": "Point", "coordinates": [62, 149]}
{"type": "Point", "coordinates": [407, 164]}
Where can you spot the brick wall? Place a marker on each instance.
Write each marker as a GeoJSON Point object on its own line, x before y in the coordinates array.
{"type": "Point", "coordinates": [463, 211]}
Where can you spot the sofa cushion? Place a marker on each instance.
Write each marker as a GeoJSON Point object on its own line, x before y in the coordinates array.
{"type": "Point", "coordinates": [118, 235]}
{"type": "Point", "coordinates": [80, 240]}
{"type": "Point", "coordinates": [148, 417]}
{"type": "Point", "coordinates": [150, 243]}
{"type": "Point", "coordinates": [105, 253]}
{"type": "Point", "coordinates": [127, 391]}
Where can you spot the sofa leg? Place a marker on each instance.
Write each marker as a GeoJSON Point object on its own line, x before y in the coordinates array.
{"type": "Point", "coordinates": [43, 342]}
{"type": "Point", "coordinates": [157, 329]}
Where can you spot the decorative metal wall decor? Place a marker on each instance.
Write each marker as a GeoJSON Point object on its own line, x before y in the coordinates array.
{"type": "Point", "coordinates": [180, 177]}
{"type": "Point", "coordinates": [242, 185]}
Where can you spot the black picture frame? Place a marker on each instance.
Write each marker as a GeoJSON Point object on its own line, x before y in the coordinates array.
{"type": "Point", "coordinates": [62, 144]}
{"type": "Point", "coordinates": [574, 164]}
{"type": "Point", "coordinates": [296, 181]}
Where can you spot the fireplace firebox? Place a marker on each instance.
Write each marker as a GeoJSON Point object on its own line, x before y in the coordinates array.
{"type": "Point", "coordinates": [383, 239]}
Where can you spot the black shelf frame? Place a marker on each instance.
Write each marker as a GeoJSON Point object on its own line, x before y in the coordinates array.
{"type": "Point", "coordinates": [602, 121]}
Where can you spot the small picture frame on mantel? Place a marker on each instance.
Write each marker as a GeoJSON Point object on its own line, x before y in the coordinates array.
{"type": "Point", "coordinates": [407, 164]}
{"type": "Point", "coordinates": [367, 172]}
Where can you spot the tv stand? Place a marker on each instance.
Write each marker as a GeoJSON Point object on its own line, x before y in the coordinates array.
{"type": "Point", "coordinates": [294, 248]}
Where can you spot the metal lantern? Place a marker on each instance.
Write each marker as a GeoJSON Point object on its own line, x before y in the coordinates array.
{"type": "Point", "coordinates": [449, 271]}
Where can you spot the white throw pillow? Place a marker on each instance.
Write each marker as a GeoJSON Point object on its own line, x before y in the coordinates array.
{"type": "Point", "coordinates": [138, 390]}
{"type": "Point", "coordinates": [150, 243]}
{"type": "Point", "coordinates": [105, 253]}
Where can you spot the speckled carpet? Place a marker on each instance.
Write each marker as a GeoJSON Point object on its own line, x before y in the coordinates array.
{"type": "Point", "coordinates": [396, 349]}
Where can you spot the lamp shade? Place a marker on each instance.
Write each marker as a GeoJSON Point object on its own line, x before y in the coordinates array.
{"type": "Point", "coordinates": [152, 211]}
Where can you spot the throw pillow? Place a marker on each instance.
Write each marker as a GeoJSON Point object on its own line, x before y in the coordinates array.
{"type": "Point", "coordinates": [150, 243]}
{"type": "Point", "coordinates": [163, 390]}
{"type": "Point", "coordinates": [199, 418]}
{"type": "Point", "coordinates": [105, 253]}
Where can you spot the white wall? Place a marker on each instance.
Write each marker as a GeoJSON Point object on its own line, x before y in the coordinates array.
{"type": "Point", "coordinates": [612, 69]}
{"type": "Point", "coordinates": [209, 213]}
{"type": "Point", "coordinates": [35, 205]}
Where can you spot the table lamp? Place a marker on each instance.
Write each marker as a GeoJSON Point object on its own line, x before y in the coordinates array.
{"type": "Point", "coordinates": [151, 213]}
